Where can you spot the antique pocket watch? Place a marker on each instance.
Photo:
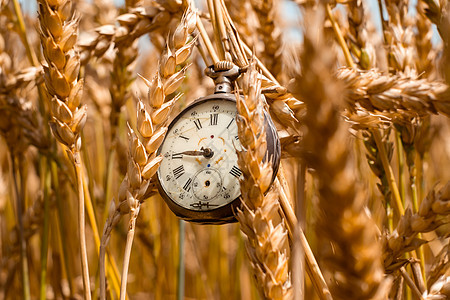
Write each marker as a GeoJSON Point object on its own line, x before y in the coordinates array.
{"type": "Point", "coordinates": [199, 175]}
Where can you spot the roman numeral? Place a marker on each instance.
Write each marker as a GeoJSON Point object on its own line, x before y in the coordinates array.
{"type": "Point", "coordinates": [187, 185]}
{"type": "Point", "coordinates": [213, 119]}
{"type": "Point", "coordinates": [198, 124]}
{"type": "Point", "coordinates": [178, 171]}
{"type": "Point", "coordinates": [229, 124]}
{"type": "Point", "coordinates": [177, 156]}
{"type": "Point", "coordinates": [236, 138]}
{"type": "Point", "coordinates": [235, 171]}
{"type": "Point", "coordinates": [184, 137]}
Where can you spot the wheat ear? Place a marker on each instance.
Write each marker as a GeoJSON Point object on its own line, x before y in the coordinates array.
{"type": "Point", "coordinates": [130, 26]}
{"type": "Point", "coordinates": [433, 212]}
{"type": "Point", "coordinates": [259, 217]}
{"type": "Point", "coordinates": [424, 47]}
{"type": "Point", "coordinates": [360, 34]}
{"type": "Point", "coordinates": [152, 116]}
{"type": "Point", "coordinates": [399, 37]}
{"type": "Point", "coordinates": [59, 32]}
{"type": "Point", "coordinates": [270, 32]}
{"type": "Point", "coordinates": [356, 270]}
{"type": "Point", "coordinates": [375, 91]}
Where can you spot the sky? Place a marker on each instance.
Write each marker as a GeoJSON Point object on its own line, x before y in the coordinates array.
{"type": "Point", "coordinates": [291, 15]}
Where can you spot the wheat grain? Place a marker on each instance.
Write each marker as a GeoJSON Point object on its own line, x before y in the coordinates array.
{"type": "Point", "coordinates": [259, 216]}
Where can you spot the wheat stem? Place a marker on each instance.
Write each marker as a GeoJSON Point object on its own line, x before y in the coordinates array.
{"type": "Point", "coordinates": [340, 37]}
{"type": "Point", "coordinates": [82, 226]}
{"type": "Point", "coordinates": [45, 231]}
{"type": "Point", "coordinates": [313, 268]}
{"type": "Point", "coordinates": [128, 245]}
{"type": "Point", "coordinates": [410, 151]}
{"type": "Point", "coordinates": [401, 166]}
{"type": "Point", "coordinates": [181, 269]}
{"type": "Point", "coordinates": [219, 28]}
{"type": "Point", "coordinates": [207, 41]}
{"type": "Point", "coordinates": [23, 246]}
{"type": "Point", "coordinates": [62, 226]}
{"type": "Point", "coordinates": [113, 273]}
{"type": "Point", "coordinates": [22, 33]}
{"type": "Point", "coordinates": [411, 283]}
{"type": "Point", "coordinates": [389, 173]}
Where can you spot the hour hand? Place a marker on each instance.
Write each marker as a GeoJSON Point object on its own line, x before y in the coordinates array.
{"type": "Point", "coordinates": [206, 152]}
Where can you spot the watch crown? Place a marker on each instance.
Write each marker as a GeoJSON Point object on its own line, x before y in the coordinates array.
{"type": "Point", "coordinates": [223, 73]}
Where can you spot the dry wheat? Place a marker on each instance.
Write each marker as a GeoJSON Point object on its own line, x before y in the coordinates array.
{"type": "Point", "coordinates": [408, 94]}
{"type": "Point", "coordinates": [259, 217]}
{"type": "Point", "coordinates": [424, 48]}
{"type": "Point", "coordinates": [349, 235]}
{"type": "Point", "coordinates": [270, 32]}
{"type": "Point", "coordinates": [433, 212]}
{"type": "Point", "coordinates": [152, 117]}
{"type": "Point", "coordinates": [399, 37]}
{"type": "Point", "coordinates": [361, 37]}
{"type": "Point", "coordinates": [131, 25]}
{"type": "Point", "coordinates": [58, 32]}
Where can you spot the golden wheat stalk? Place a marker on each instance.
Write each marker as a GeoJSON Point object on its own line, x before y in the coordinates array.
{"type": "Point", "coordinates": [377, 92]}
{"type": "Point", "coordinates": [259, 217]}
{"type": "Point", "coordinates": [152, 121]}
{"type": "Point", "coordinates": [131, 25]}
{"type": "Point", "coordinates": [284, 108]}
{"type": "Point", "coordinates": [360, 35]}
{"type": "Point", "coordinates": [399, 37]}
{"type": "Point", "coordinates": [270, 32]}
{"type": "Point", "coordinates": [424, 48]}
{"type": "Point", "coordinates": [356, 271]}
{"type": "Point", "coordinates": [433, 212]}
{"type": "Point", "coordinates": [58, 33]}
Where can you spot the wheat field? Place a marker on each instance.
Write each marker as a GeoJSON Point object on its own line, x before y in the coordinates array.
{"type": "Point", "coordinates": [358, 208]}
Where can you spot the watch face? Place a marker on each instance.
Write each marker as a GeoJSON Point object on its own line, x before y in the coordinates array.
{"type": "Point", "coordinates": [199, 171]}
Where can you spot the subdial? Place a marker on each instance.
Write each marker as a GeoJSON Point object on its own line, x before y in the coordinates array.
{"type": "Point", "coordinates": [207, 184]}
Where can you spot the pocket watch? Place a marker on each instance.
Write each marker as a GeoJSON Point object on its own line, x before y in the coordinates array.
{"type": "Point", "coordinates": [199, 175]}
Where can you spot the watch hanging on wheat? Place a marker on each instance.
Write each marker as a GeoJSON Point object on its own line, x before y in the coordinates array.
{"type": "Point", "coordinates": [199, 175]}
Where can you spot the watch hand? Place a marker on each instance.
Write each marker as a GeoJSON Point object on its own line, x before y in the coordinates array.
{"type": "Point", "coordinates": [206, 152]}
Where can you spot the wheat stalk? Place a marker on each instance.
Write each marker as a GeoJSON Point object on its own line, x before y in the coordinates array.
{"type": "Point", "coordinates": [399, 36]}
{"type": "Point", "coordinates": [424, 48]}
{"type": "Point", "coordinates": [440, 265]}
{"type": "Point", "coordinates": [131, 25]}
{"type": "Point", "coordinates": [356, 270]}
{"type": "Point", "coordinates": [361, 37]}
{"type": "Point", "coordinates": [270, 33]}
{"type": "Point", "coordinates": [433, 212]}
{"type": "Point", "coordinates": [152, 117]}
{"type": "Point", "coordinates": [59, 32]}
{"type": "Point", "coordinates": [377, 92]}
{"type": "Point", "coordinates": [259, 217]}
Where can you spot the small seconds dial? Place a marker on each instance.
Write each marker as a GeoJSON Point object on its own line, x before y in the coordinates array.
{"type": "Point", "coordinates": [199, 171]}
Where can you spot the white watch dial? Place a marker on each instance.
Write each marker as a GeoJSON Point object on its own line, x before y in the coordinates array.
{"type": "Point", "coordinates": [199, 170]}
